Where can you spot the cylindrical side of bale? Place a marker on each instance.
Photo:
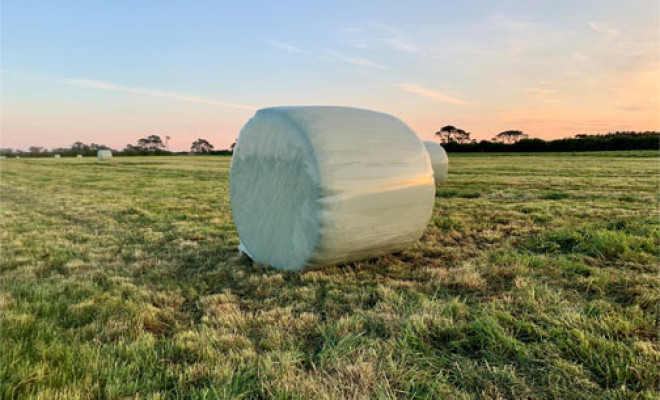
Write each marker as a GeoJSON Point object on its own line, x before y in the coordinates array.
{"type": "Point", "coordinates": [104, 155]}
{"type": "Point", "coordinates": [79, 156]}
{"type": "Point", "coordinates": [316, 186]}
{"type": "Point", "coordinates": [439, 160]}
{"type": "Point", "coordinates": [56, 156]}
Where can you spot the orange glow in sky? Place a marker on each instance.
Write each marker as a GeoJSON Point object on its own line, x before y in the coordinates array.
{"type": "Point", "coordinates": [109, 75]}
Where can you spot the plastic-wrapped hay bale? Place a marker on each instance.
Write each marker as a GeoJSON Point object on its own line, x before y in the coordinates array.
{"type": "Point", "coordinates": [56, 156]}
{"type": "Point", "coordinates": [439, 160]}
{"type": "Point", "coordinates": [79, 156]}
{"type": "Point", "coordinates": [104, 155]}
{"type": "Point", "coordinates": [315, 186]}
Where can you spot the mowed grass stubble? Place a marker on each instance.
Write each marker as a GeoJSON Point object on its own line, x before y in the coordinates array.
{"type": "Point", "coordinates": [536, 277]}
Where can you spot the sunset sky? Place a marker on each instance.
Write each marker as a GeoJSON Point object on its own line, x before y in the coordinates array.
{"type": "Point", "coordinates": [113, 71]}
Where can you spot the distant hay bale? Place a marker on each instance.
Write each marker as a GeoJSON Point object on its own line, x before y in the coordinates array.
{"type": "Point", "coordinates": [317, 186]}
{"type": "Point", "coordinates": [439, 161]}
{"type": "Point", "coordinates": [104, 155]}
{"type": "Point", "coordinates": [3, 157]}
{"type": "Point", "coordinates": [79, 156]}
{"type": "Point", "coordinates": [17, 157]}
{"type": "Point", "coordinates": [56, 156]}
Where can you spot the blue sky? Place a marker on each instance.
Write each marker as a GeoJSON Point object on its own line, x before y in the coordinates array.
{"type": "Point", "coordinates": [111, 72]}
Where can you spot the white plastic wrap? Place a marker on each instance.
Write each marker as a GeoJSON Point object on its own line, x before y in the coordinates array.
{"type": "Point", "coordinates": [439, 160]}
{"type": "Point", "coordinates": [56, 156]}
{"type": "Point", "coordinates": [104, 155]}
{"type": "Point", "coordinates": [315, 186]}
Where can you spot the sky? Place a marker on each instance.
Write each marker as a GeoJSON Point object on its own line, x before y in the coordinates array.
{"type": "Point", "coordinates": [111, 72]}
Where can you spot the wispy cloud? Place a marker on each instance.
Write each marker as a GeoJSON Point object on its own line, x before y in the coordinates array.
{"type": "Point", "coordinates": [517, 39]}
{"type": "Point", "coordinates": [353, 29]}
{"type": "Point", "coordinates": [579, 56]}
{"type": "Point", "coordinates": [354, 37]}
{"type": "Point", "coordinates": [399, 43]}
{"type": "Point", "coordinates": [357, 43]}
{"type": "Point", "coordinates": [631, 108]}
{"type": "Point", "coordinates": [544, 95]}
{"type": "Point", "coordinates": [375, 34]}
{"type": "Point", "coordinates": [151, 92]}
{"type": "Point", "coordinates": [604, 28]}
{"type": "Point", "coordinates": [357, 61]}
{"type": "Point", "coordinates": [396, 38]}
{"type": "Point", "coordinates": [432, 94]}
{"type": "Point", "coordinates": [286, 47]}
{"type": "Point", "coordinates": [540, 93]}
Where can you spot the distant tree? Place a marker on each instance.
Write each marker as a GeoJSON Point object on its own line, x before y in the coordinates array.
{"type": "Point", "coordinates": [233, 146]}
{"type": "Point", "coordinates": [150, 143]}
{"type": "Point", "coordinates": [35, 149]}
{"type": "Point", "coordinates": [80, 147]}
{"type": "Point", "coordinates": [94, 146]}
{"type": "Point", "coordinates": [510, 137]}
{"type": "Point", "coordinates": [59, 150]}
{"type": "Point", "coordinates": [201, 146]}
{"type": "Point", "coordinates": [462, 136]}
{"type": "Point", "coordinates": [452, 134]}
{"type": "Point", "coordinates": [131, 148]}
{"type": "Point", "coordinates": [444, 134]}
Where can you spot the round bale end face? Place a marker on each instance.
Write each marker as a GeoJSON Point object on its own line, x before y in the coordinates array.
{"type": "Point", "coordinates": [315, 186]}
{"type": "Point", "coordinates": [439, 160]}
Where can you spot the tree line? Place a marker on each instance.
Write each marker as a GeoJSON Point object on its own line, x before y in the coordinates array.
{"type": "Point", "coordinates": [151, 145]}
{"type": "Point", "coordinates": [458, 140]}
{"type": "Point", "coordinates": [452, 138]}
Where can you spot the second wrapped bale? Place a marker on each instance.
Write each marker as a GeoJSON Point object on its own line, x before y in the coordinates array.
{"type": "Point", "coordinates": [315, 186]}
{"type": "Point", "coordinates": [439, 160]}
{"type": "Point", "coordinates": [104, 155]}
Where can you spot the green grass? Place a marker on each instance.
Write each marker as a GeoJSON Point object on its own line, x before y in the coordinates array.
{"type": "Point", "coordinates": [537, 277]}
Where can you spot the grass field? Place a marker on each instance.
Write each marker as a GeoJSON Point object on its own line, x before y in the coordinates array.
{"type": "Point", "coordinates": [538, 277]}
